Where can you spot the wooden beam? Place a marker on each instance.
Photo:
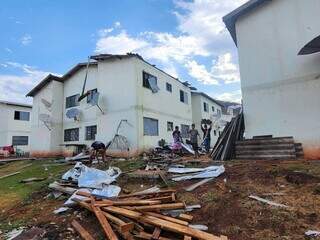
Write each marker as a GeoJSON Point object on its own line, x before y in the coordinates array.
{"type": "Point", "coordinates": [83, 233]}
{"type": "Point", "coordinates": [185, 217]}
{"type": "Point", "coordinates": [123, 226]}
{"type": "Point", "coordinates": [167, 206]}
{"type": "Point", "coordinates": [148, 236]}
{"type": "Point", "coordinates": [105, 203]}
{"type": "Point", "coordinates": [103, 222]}
{"type": "Point", "coordinates": [9, 175]}
{"type": "Point", "coordinates": [171, 219]}
{"type": "Point", "coordinates": [156, 233]}
{"type": "Point", "coordinates": [147, 194]}
{"type": "Point", "coordinates": [163, 224]}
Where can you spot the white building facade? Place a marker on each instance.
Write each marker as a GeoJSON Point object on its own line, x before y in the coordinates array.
{"type": "Point", "coordinates": [15, 125]}
{"type": "Point", "coordinates": [280, 89]}
{"type": "Point", "coordinates": [205, 107]}
{"type": "Point", "coordinates": [150, 101]}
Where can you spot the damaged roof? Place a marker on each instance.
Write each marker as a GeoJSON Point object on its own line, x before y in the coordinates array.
{"type": "Point", "coordinates": [231, 18]}
{"type": "Point", "coordinates": [16, 104]}
{"type": "Point", "coordinates": [207, 96]}
{"type": "Point", "coordinates": [43, 83]}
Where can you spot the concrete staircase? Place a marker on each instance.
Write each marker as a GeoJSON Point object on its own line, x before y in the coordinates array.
{"type": "Point", "coordinates": [268, 148]}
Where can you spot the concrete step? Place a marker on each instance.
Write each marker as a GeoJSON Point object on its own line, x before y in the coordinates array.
{"type": "Point", "coordinates": [284, 146]}
{"type": "Point", "coordinates": [266, 152]}
{"type": "Point", "coordinates": [267, 157]}
{"type": "Point", "coordinates": [279, 140]}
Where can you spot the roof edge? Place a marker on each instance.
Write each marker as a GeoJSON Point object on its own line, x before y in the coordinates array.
{"type": "Point", "coordinates": [15, 104]}
{"type": "Point", "coordinates": [207, 96]}
{"type": "Point", "coordinates": [43, 83]}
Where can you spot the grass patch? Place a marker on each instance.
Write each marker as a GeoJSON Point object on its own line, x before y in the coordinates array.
{"type": "Point", "coordinates": [12, 191]}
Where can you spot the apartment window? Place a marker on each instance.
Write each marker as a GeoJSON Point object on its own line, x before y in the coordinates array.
{"type": "Point", "coordinates": [91, 95]}
{"type": "Point", "coordinates": [150, 127]}
{"type": "Point", "coordinates": [212, 108]}
{"type": "Point", "coordinates": [150, 81]}
{"type": "Point", "coordinates": [169, 87]}
{"type": "Point", "coordinates": [185, 130]}
{"type": "Point", "coordinates": [20, 140]}
{"type": "Point", "coordinates": [91, 132]}
{"type": "Point", "coordinates": [215, 132]}
{"type": "Point", "coordinates": [71, 134]}
{"type": "Point", "coordinates": [22, 116]}
{"type": "Point", "coordinates": [205, 107]}
{"type": "Point", "coordinates": [72, 101]}
{"type": "Point", "coordinates": [169, 126]}
{"type": "Point", "coordinates": [183, 97]}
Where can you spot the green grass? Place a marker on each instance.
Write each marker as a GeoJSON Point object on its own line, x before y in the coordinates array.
{"type": "Point", "coordinates": [13, 191]}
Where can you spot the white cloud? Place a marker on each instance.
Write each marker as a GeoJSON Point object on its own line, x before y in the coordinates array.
{"type": "Point", "coordinates": [234, 96]}
{"type": "Point", "coordinates": [26, 39]}
{"type": "Point", "coordinates": [201, 33]}
{"type": "Point", "coordinates": [15, 87]}
{"type": "Point", "coordinates": [8, 50]}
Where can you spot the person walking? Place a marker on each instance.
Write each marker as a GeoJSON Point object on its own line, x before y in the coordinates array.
{"type": "Point", "coordinates": [177, 140]}
{"type": "Point", "coordinates": [194, 134]}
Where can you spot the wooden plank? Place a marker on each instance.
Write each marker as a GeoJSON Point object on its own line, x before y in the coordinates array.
{"type": "Point", "coordinates": [57, 187]}
{"type": "Point", "coordinates": [103, 222]}
{"type": "Point", "coordinates": [156, 233]}
{"type": "Point", "coordinates": [185, 217]}
{"type": "Point", "coordinates": [148, 236]}
{"type": "Point", "coordinates": [127, 203]}
{"type": "Point", "coordinates": [9, 175]}
{"type": "Point", "coordinates": [167, 206]}
{"type": "Point", "coordinates": [163, 224]}
{"type": "Point", "coordinates": [171, 219]}
{"type": "Point", "coordinates": [165, 199]}
{"type": "Point", "coordinates": [147, 194]}
{"type": "Point", "coordinates": [83, 233]}
{"type": "Point", "coordinates": [123, 226]}
{"type": "Point", "coordinates": [268, 201]}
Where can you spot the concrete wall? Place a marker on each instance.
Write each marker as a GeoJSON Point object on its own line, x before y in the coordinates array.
{"type": "Point", "coordinates": [281, 89]}
{"type": "Point", "coordinates": [10, 127]}
{"type": "Point", "coordinates": [198, 114]}
{"type": "Point", "coordinates": [164, 105]}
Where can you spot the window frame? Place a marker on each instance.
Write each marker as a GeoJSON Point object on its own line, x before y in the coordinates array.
{"type": "Point", "coordinates": [169, 126]}
{"type": "Point", "coordinates": [205, 107]}
{"type": "Point", "coordinates": [169, 87]}
{"type": "Point", "coordinates": [144, 129]}
{"type": "Point", "coordinates": [71, 140]}
{"type": "Point", "coordinates": [212, 108]}
{"type": "Point", "coordinates": [89, 97]}
{"type": "Point", "coordinates": [20, 144]}
{"type": "Point", "coordinates": [75, 104]}
{"type": "Point", "coordinates": [183, 96]}
{"type": "Point", "coordinates": [145, 82]}
{"type": "Point", "coordinates": [18, 115]}
{"type": "Point", "coordinates": [92, 135]}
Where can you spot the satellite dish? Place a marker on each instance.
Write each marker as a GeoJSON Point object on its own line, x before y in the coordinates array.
{"type": "Point", "coordinates": [73, 113]}
{"type": "Point", "coordinates": [46, 119]}
{"type": "Point", "coordinates": [94, 98]}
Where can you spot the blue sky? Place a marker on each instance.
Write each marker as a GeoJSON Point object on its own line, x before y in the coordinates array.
{"type": "Point", "coordinates": [185, 38]}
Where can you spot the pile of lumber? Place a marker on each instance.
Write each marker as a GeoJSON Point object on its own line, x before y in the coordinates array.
{"type": "Point", "coordinates": [141, 216]}
{"type": "Point", "coordinates": [224, 148]}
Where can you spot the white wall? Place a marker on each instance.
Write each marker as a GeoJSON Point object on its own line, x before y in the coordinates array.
{"type": "Point", "coordinates": [281, 89]}
{"type": "Point", "coordinates": [164, 105]}
{"type": "Point", "coordinates": [10, 127]}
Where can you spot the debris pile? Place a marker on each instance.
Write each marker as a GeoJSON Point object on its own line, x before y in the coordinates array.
{"type": "Point", "coordinates": [146, 215]}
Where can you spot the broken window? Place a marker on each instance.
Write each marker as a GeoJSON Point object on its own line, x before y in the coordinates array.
{"type": "Point", "coordinates": [72, 101]}
{"type": "Point", "coordinates": [22, 116]}
{"type": "Point", "coordinates": [169, 126]}
{"type": "Point", "coordinates": [150, 81]}
{"type": "Point", "coordinates": [150, 127]}
{"type": "Point", "coordinates": [20, 140]}
{"type": "Point", "coordinates": [183, 97]}
{"type": "Point", "coordinates": [205, 107]}
{"type": "Point", "coordinates": [185, 130]}
{"type": "Point", "coordinates": [91, 132]}
{"type": "Point", "coordinates": [212, 108]}
{"type": "Point", "coordinates": [71, 134]}
{"type": "Point", "coordinates": [90, 97]}
{"type": "Point", "coordinates": [169, 87]}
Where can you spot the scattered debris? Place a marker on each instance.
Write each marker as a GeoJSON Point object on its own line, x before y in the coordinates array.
{"type": "Point", "coordinates": [301, 178]}
{"type": "Point", "coordinates": [83, 233]}
{"type": "Point", "coordinates": [268, 201]}
{"type": "Point", "coordinates": [9, 175]}
{"type": "Point", "coordinates": [312, 233]}
{"type": "Point", "coordinates": [33, 179]}
{"type": "Point", "coordinates": [61, 210]}
{"type": "Point", "coordinates": [198, 184]}
{"type": "Point", "coordinates": [209, 172]}
{"type": "Point", "coordinates": [14, 233]}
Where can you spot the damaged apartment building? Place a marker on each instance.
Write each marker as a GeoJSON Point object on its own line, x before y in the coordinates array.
{"type": "Point", "coordinates": [279, 56]}
{"type": "Point", "coordinates": [125, 95]}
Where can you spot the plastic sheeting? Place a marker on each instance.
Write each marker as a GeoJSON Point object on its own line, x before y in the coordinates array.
{"type": "Point", "coordinates": [107, 191]}
{"type": "Point", "coordinates": [209, 172]}
{"type": "Point", "coordinates": [91, 177]}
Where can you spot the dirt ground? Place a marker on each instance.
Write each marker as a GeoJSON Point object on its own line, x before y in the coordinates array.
{"type": "Point", "coordinates": [226, 208]}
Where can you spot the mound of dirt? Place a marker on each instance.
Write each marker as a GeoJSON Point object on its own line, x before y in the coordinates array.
{"type": "Point", "coordinates": [301, 178]}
